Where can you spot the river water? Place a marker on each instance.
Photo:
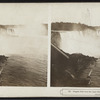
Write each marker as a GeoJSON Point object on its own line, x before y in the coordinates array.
{"type": "Point", "coordinates": [27, 62]}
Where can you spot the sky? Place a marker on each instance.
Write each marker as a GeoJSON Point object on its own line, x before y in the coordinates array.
{"type": "Point", "coordinates": [87, 13]}
{"type": "Point", "coordinates": [23, 13]}
{"type": "Point", "coordinates": [31, 15]}
{"type": "Point", "coordinates": [30, 37]}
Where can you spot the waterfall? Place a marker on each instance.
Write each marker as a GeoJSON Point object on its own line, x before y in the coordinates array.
{"type": "Point", "coordinates": [86, 42]}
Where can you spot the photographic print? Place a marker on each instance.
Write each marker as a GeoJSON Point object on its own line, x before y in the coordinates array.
{"type": "Point", "coordinates": [75, 45]}
{"type": "Point", "coordinates": [23, 44]}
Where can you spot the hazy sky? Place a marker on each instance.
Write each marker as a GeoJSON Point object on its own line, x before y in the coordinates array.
{"type": "Point", "coordinates": [33, 15]}
{"type": "Point", "coordinates": [30, 13]}
{"type": "Point", "coordinates": [88, 13]}
{"type": "Point", "coordinates": [26, 13]}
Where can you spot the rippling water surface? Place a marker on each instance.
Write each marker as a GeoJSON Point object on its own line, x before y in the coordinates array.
{"type": "Point", "coordinates": [27, 62]}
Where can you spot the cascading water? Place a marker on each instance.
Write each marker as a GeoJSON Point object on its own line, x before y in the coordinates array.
{"type": "Point", "coordinates": [85, 42]}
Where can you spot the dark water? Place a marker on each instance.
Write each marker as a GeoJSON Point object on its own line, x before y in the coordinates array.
{"type": "Point", "coordinates": [25, 71]}
{"type": "Point", "coordinates": [27, 62]}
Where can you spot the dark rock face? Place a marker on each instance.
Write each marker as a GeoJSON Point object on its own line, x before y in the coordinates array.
{"type": "Point", "coordinates": [81, 62]}
{"type": "Point", "coordinates": [3, 58]}
{"type": "Point", "coordinates": [67, 71]}
{"type": "Point", "coordinates": [56, 39]}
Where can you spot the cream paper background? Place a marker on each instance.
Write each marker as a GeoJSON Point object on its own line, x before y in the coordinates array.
{"type": "Point", "coordinates": [48, 91]}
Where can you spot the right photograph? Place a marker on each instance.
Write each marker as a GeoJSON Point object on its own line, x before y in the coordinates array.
{"type": "Point", "coordinates": [75, 45]}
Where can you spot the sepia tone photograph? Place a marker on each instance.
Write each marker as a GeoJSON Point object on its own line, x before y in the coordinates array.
{"type": "Point", "coordinates": [23, 44]}
{"type": "Point", "coordinates": [75, 45]}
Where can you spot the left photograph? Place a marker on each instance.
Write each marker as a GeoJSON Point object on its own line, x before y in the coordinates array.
{"type": "Point", "coordinates": [23, 44]}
